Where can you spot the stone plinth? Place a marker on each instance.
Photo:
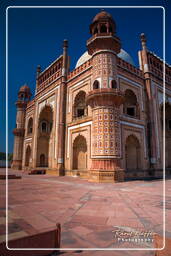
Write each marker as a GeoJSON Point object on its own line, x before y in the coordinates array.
{"type": "Point", "coordinates": [106, 176]}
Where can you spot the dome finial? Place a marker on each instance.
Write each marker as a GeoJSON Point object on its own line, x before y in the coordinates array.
{"type": "Point", "coordinates": [143, 41]}
{"type": "Point", "coordinates": [38, 70]}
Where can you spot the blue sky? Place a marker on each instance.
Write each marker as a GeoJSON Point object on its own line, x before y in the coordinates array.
{"type": "Point", "coordinates": [36, 36]}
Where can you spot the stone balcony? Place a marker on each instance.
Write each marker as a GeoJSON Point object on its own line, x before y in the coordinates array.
{"type": "Point", "coordinates": [105, 97]}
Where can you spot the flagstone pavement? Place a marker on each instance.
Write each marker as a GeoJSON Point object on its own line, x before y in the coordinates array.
{"type": "Point", "coordinates": [91, 215]}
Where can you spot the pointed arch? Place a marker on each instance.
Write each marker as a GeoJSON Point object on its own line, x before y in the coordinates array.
{"type": "Point", "coordinates": [167, 131]}
{"type": "Point", "coordinates": [96, 85]}
{"type": "Point", "coordinates": [30, 126]}
{"type": "Point", "coordinates": [44, 136]}
{"type": "Point", "coordinates": [80, 107]}
{"type": "Point", "coordinates": [113, 84]}
{"type": "Point", "coordinates": [27, 156]}
{"type": "Point", "coordinates": [103, 28]}
{"type": "Point", "coordinates": [132, 153]}
{"type": "Point", "coordinates": [80, 153]}
{"type": "Point", "coordinates": [131, 106]}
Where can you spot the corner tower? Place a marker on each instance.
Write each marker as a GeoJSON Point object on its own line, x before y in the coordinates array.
{"type": "Point", "coordinates": [105, 100]}
{"type": "Point", "coordinates": [24, 95]}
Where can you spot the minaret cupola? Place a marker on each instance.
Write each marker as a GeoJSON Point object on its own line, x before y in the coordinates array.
{"type": "Point", "coordinates": [103, 31]}
{"type": "Point", "coordinates": [103, 23]}
{"type": "Point", "coordinates": [24, 93]}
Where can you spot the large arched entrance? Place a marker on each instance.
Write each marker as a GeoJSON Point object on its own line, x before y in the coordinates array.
{"type": "Point", "coordinates": [132, 153]}
{"type": "Point", "coordinates": [167, 132]}
{"type": "Point", "coordinates": [27, 156]}
{"type": "Point", "coordinates": [80, 153]}
{"type": "Point", "coordinates": [44, 137]}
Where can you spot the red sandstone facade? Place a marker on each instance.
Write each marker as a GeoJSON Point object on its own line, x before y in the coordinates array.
{"type": "Point", "coordinates": [102, 121]}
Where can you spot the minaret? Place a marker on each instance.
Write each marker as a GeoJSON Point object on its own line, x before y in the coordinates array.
{"type": "Point", "coordinates": [38, 72]}
{"type": "Point", "coordinates": [144, 65]}
{"type": "Point", "coordinates": [105, 100]}
{"type": "Point", "coordinates": [24, 95]}
{"type": "Point", "coordinates": [62, 113]}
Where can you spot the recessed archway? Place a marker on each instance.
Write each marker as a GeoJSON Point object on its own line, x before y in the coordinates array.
{"type": "Point", "coordinates": [27, 156]}
{"type": "Point", "coordinates": [80, 153]}
{"type": "Point", "coordinates": [96, 85]}
{"type": "Point", "coordinates": [131, 106]}
{"type": "Point", "coordinates": [44, 138]}
{"type": "Point", "coordinates": [167, 132]}
{"type": "Point", "coordinates": [132, 153]}
{"type": "Point", "coordinates": [30, 126]}
{"type": "Point", "coordinates": [80, 108]}
{"type": "Point", "coordinates": [43, 162]}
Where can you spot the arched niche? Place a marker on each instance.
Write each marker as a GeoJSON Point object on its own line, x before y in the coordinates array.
{"type": "Point", "coordinates": [30, 126]}
{"type": "Point", "coordinates": [80, 153]}
{"type": "Point", "coordinates": [44, 137]}
{"type": "Point", "coordinates": [27, 156]}
{"type": "Point", "coordinates": [133, 153]}
{"type": "Point", "coordinates": [96, 85]}
{"type": "Point", "coordinates": [131, 106]}
{"type": "Point", "coordinates": [80, 107]}
{"type": "Point", "coordinates": [167, 131]}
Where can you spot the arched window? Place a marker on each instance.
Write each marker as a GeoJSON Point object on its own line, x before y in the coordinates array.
{"type": "Point", "coordinates": [96, 85]}
{"type": "Point", "coordinates": [113, 84]}
{"type": "Point", "coordinates": [30, 126]}
{"type": "Point", "coordinates": [103, 29]}
{"type": "Point", "coordinates": [110, 30]}
{"type": "Point", "coordinates": [80, 108]}
{"type": "Point", "coordinates": [95, 31]}
{"type": "Point", "coordinates": [44, 126]}
{"type": "Point", "coordinates": [131, 107]}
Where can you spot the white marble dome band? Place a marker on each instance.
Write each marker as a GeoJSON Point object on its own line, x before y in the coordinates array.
{"type": "Point", "coordinates": [123, 55]}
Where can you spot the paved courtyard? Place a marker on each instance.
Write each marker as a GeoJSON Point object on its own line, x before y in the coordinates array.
{"type": "Point", "coordinates": [91, 215]}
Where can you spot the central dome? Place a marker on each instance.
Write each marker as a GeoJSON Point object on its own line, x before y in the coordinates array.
{"type": "Point", "coordinates": [102, 15]}
{"type": "Point", "coordinates": [123, 55]}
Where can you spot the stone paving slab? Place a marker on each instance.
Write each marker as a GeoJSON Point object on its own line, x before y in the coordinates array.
{"type": "Point", "coordinates": [89, 213]}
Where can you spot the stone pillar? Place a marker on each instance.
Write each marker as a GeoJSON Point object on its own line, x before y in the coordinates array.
{"type": "Point", "coordinates": [150, 104]}
{"type": "Point", "coordinates": [106, 137]}
{"type": "Point", "coordinates": [62, 112]}
{"type": "Point", "coordinates": [19, 135]}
